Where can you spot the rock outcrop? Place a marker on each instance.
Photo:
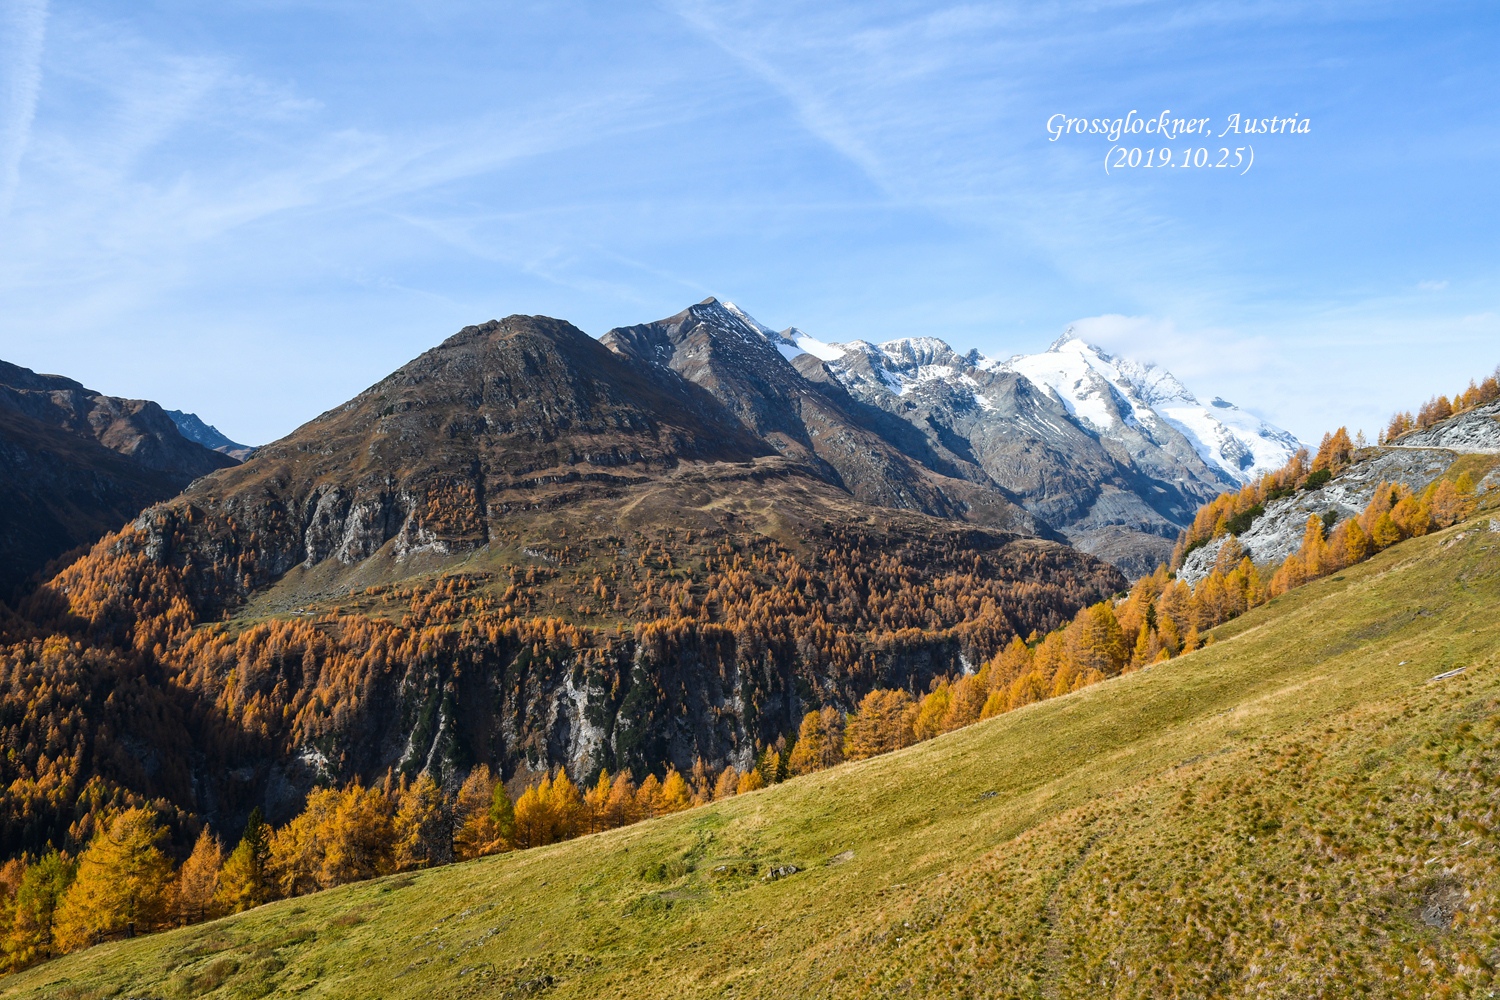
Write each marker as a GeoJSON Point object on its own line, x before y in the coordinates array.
{"type": "Point", "coordinates": [1476, 430]}
{"type": "Point", "coordinates": [1414, 460]}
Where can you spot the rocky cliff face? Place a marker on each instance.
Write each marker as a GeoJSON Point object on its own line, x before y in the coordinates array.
{"type": "Point", "coordinates": [1415, 460]}
{"type": "Point", "coordinates": [1476, 430]}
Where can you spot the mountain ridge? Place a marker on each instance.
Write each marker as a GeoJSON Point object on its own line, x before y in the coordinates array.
{"type": "Point", "coordinates": [195, 428]}
{"type": "Point", "coordinates": [1113, 454]}
{"type": "Point", "coordinates": [525, 550]}
{"type": "Point", "coordinates": [76, 464]}
{"type": "Point", "coordinates": [720, 348]}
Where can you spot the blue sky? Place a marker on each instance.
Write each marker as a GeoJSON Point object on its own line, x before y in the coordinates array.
{"type": "Point", "coordinates": [253, 210]}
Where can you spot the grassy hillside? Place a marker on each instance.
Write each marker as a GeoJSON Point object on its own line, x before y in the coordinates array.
{"type": "Point", "coordinates": [1297, 810]}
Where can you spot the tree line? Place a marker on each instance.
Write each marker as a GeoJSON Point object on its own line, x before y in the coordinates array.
{"type": "Point", "coordinates": [1440, 408]}
{"type": "Point", "coordinates": [107, 674]}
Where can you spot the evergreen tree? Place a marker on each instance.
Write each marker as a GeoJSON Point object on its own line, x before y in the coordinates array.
{"type": "Point", "coordinates": [503, 815]}
{"type": "Point", "coordinates": [31, 936]}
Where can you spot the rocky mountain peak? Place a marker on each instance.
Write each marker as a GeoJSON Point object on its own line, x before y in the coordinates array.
{"type": "Point", "coordinates": [1107, 417]}
{"type": "Point", "coordinates": [195, 428]}
{"type": "Point", "coordinates": [916, 352]}
{"type": "Point", "coordinates": [806, 414]}
{"type": "Point", "coordinates": [1070, 341]}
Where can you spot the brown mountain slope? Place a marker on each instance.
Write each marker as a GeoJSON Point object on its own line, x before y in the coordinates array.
{"type": "Point", "coordinates": [75, 464]}
{"type": "Point", "coordinates": [527, 414]}
{"type": "Point", "coordinates": [136, 428]}
{"type": "Point", "coordinates": [815, 422]}
{"type": "Point", "coordinates": [521, 549]}
{"type": "Point", "coordinates": [60, 491]}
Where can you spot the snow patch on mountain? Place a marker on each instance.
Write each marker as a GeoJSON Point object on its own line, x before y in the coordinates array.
{"type": "Point", "coordinates": [803, 344]}
{"type": "Point", "coordinates": [1111, 396]}
{"type": "Point", "coordinates": [1086, 379]}
{"type": "Point", "coordinates": [1087, 384]}
{"type": "Point", "coordinates": [747, 320]}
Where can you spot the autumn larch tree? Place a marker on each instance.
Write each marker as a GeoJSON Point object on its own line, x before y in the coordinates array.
{"type": "Point", "coordinates": [423, 826]}
{"type": "Point", "coordinates": [198, 881]}
{"type": "Point", "coordinates": [122, 882]}
{"type": "Point", "coordinates": [820, 741]}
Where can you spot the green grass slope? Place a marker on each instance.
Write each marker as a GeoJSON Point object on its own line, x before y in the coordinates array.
{"type": "Point", "coordinates": [1298, 810]}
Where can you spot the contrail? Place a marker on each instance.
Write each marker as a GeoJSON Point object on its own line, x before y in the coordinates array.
{"type": "Point", "coordinates": [23, 28]}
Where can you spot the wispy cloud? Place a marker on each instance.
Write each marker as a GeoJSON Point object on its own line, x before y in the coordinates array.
{"type": "Point", "coordinates": [1190, 353]}
{"type": "Point", "coordinates": [940, 109]}
{"type": "Point", "coordinates": [122, 196]}
{"type": "Point", "coordinates": [23, 32]}
{"type": "Point", "coordinates": [188, 185]}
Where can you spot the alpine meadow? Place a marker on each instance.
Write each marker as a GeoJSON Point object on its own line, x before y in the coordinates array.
{"type": "Point", "coordinates": [1068, 568]}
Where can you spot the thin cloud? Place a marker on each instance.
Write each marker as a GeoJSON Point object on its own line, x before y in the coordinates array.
{"type": "Point", "coordinates": [1206, 353]}
{"type": "Point", "coordinates": [23, 33]}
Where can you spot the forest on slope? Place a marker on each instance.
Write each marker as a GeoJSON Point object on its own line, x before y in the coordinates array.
{"type": "Point", "coordinates": [692, 598]}
{"type": "Point", "coordinates": [1299, 809]}
{"type": "Point", "coordinates": [519, 554]}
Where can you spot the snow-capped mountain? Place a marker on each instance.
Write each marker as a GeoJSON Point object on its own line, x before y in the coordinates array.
{"type": "Point", "coordinates": [1113, 454]}
{"type": "Point", "coordinates": [1104, 391]}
